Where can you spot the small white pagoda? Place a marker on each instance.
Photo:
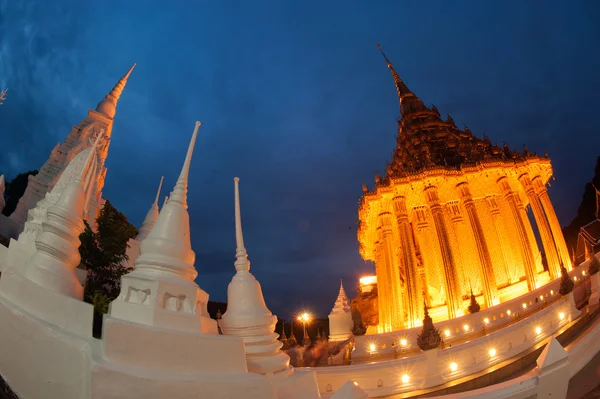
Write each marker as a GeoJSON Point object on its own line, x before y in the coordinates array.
{"type": "Point", "coordinates": [340, 318]}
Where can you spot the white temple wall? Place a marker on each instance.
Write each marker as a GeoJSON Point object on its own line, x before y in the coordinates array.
{"type": "Point", "coordinates": [39, 361]}
{"type": "Point", "coordinates": [432, 368]}
{"type": "Point", "coordinates": [496, 315]}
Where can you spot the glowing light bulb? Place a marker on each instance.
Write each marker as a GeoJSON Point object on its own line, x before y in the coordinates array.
{"type": "Point", "coordinates": [551, 292]}
{"type": "Point", "coordinates": [486, 320]}
{"type": "Point", "coordinates": [561, 315]}
{"type": "Point", "coordinates": [541, 297]}
{"type": "Point", "coordinates": [538, 330]}
{"type": "Point", "coordinates": [403, 342]}
{"type": "Point", "coordinates": [583, 272]}
{"type": "Point", "coordinates": [466, 327]}
{"type": "Point", "coordinates": [508, 312]}
{"type": "Point", "coordinates": [405, 379]}
{"type": "Point", "coordinates": [575, 278]}
{"type": "Point", "coordinates": [355, 383]}
{"type": "Point", "coordinates": [453, 366]}
{"type": "Point", "coordinates": [372, 347]}
{"type": "Point", "coordinates": [492, 352]}
{"type": "Point", "coordinates": [524, 305]}
{"type": "Point", "coordinates": [447, 333]}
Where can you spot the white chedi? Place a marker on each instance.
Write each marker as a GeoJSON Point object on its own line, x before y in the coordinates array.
{"type": "Point", "coordinates": [37, 215]}
{"type": "Point", "coordinates": [340, 318]}
{"type": "Point", "coordinates": [161, 291]}
{"type": "Point", "coordinates": [247, 315]}
{"type": "Point", "coordinates": [151, 216]}
{"type": "Point", "coordinates": [57, 246]}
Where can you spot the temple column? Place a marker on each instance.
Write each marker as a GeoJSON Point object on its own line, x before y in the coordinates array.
{"type": "Point", "coordinates": [453, 297]}
{"type": "Point", "coordinates": [559, 239]}
{"type": "Point", "coordinates": [543, 227]}
{"type": "Point", "coordinates": [393, 282]}
{"type": "Point", "coordinates": [408, 261]}
{"type": "Point", "coordinates": [525, 245]}
{"type": "Point", "coordinates": [490, 290]}
{"type": "Point", "coordinates": [382, 292]}
{"type": "Point", "coordinates": [494, 211]}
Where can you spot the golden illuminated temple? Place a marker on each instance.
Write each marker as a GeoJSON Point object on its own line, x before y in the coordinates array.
{"type": "Point", "coordinates": [450, 217]}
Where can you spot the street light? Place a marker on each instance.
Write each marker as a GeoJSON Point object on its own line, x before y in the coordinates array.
{"type": "Point", "coordinates": [304, 318]}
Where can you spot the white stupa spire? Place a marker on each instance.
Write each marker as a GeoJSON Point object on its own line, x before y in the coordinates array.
{"type": "Point", "coordinates": [340, 318]}
{"type": "Point", "coordinates": [170, 237]}
{"type": "Point", "coordinates": [2, 188]}
{"type": "Point", "coordinates": [57, 246]}
{"type": "Point", "coordinates": [151, 216]}
{"type": "Point", "coordinates": [242, 263]}
{"type": "Point", "coordinates": [164, 272]}
{"type": "Point", "coordinates": [247, 315]}
{"type": "Point", "coordinates": [342, 303]}
{"type": "Point", "coordinates": [108, 105]}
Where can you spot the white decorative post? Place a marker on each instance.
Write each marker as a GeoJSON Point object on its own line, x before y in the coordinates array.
{"type": "Point", "coordinates": [53, 264]}
{"type": "Point", "coordinates": [151, 216]}
{"type": "Point", "coordinates": [247, 315]}
{"type": "Point", "coordinates": [340, 318]}
{"type": "Point", "coordinates": [161, 290]}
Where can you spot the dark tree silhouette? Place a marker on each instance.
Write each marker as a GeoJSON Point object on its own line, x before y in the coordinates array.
{"type": "Point", "coordinates": [102, 255]}
{"type": "Point", "coordinates": [15, 190]}
{"type": "Point", "coordinates": [586, 212]}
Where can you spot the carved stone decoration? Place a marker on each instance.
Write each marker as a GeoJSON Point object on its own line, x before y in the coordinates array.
{"type": "Point", "coordinates": [430, 337]}
{"type": "Point", "coordinates": [57, 255]}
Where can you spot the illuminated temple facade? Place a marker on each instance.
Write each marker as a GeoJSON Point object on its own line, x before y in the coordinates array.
{"type": "Point", "coordinates": [450, 217]}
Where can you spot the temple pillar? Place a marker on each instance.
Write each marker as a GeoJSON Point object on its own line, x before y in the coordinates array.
{"type": "Point", "coordinates": [543, 227]}
{"type": "Point", "coordinates": [501, 240]}
{"type": "Point", "coordinates": [393, 282]}
{"type": "Point", "coordinates": [525, 245]}
{"type": "Point", "coordinates": [408, 262]}
{"type": "Point", "coordinates": [453, 296]}
{"type": "Point", "coordinates": [559, 239]}
{"type": "Point", "coordinates": [382, 292]}
{"type": "Point", "coordinates": [490, 290]}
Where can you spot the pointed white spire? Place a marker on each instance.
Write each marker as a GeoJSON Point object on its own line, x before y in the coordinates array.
{"type": "Point", "coordinates": [342, 303]}
{"type": "Point", "coordinates": [108, 106]}
{"type": "Point", "coordinates": [242, 263]}
{"type": "Point", "coordinates": [164, 272]}
{"type": "Point", "coordinates": [247, 315]}
{"type": "Point", "coordinates": [151, 216]}
{"type": "Point", "coordinates": [57, 246]}
{"type": "Point", "coordinates": [170, 236]}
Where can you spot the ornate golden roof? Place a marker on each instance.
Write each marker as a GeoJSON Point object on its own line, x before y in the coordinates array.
{"type": "Point", "coordinates": [427, 141]}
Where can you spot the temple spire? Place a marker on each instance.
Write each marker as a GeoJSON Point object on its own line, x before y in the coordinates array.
{"type": "Point", "coordinates": [151, 216]}
{"type": "Point", "coordinates": [108, 106]}
{"type": "Point", "coordinates": [403, 91]}
{"type": "Point", "coordinates": [241, 262]}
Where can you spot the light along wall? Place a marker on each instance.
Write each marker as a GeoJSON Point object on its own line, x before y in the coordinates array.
{"type": "Point", "coordinates": [454, 330]}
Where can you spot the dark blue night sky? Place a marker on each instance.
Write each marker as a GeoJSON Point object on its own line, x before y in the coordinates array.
{"type": "Point", "coordinates": [296, 100]}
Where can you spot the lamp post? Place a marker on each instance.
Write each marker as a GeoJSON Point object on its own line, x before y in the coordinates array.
{"type": "Point", "coordinates": [305, 318]}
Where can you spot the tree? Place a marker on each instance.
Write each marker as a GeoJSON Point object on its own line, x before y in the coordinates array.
{"type": "Point", "coordinates": [14, 190]}
{"type": "Point", "coordinates": [103, 254]}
